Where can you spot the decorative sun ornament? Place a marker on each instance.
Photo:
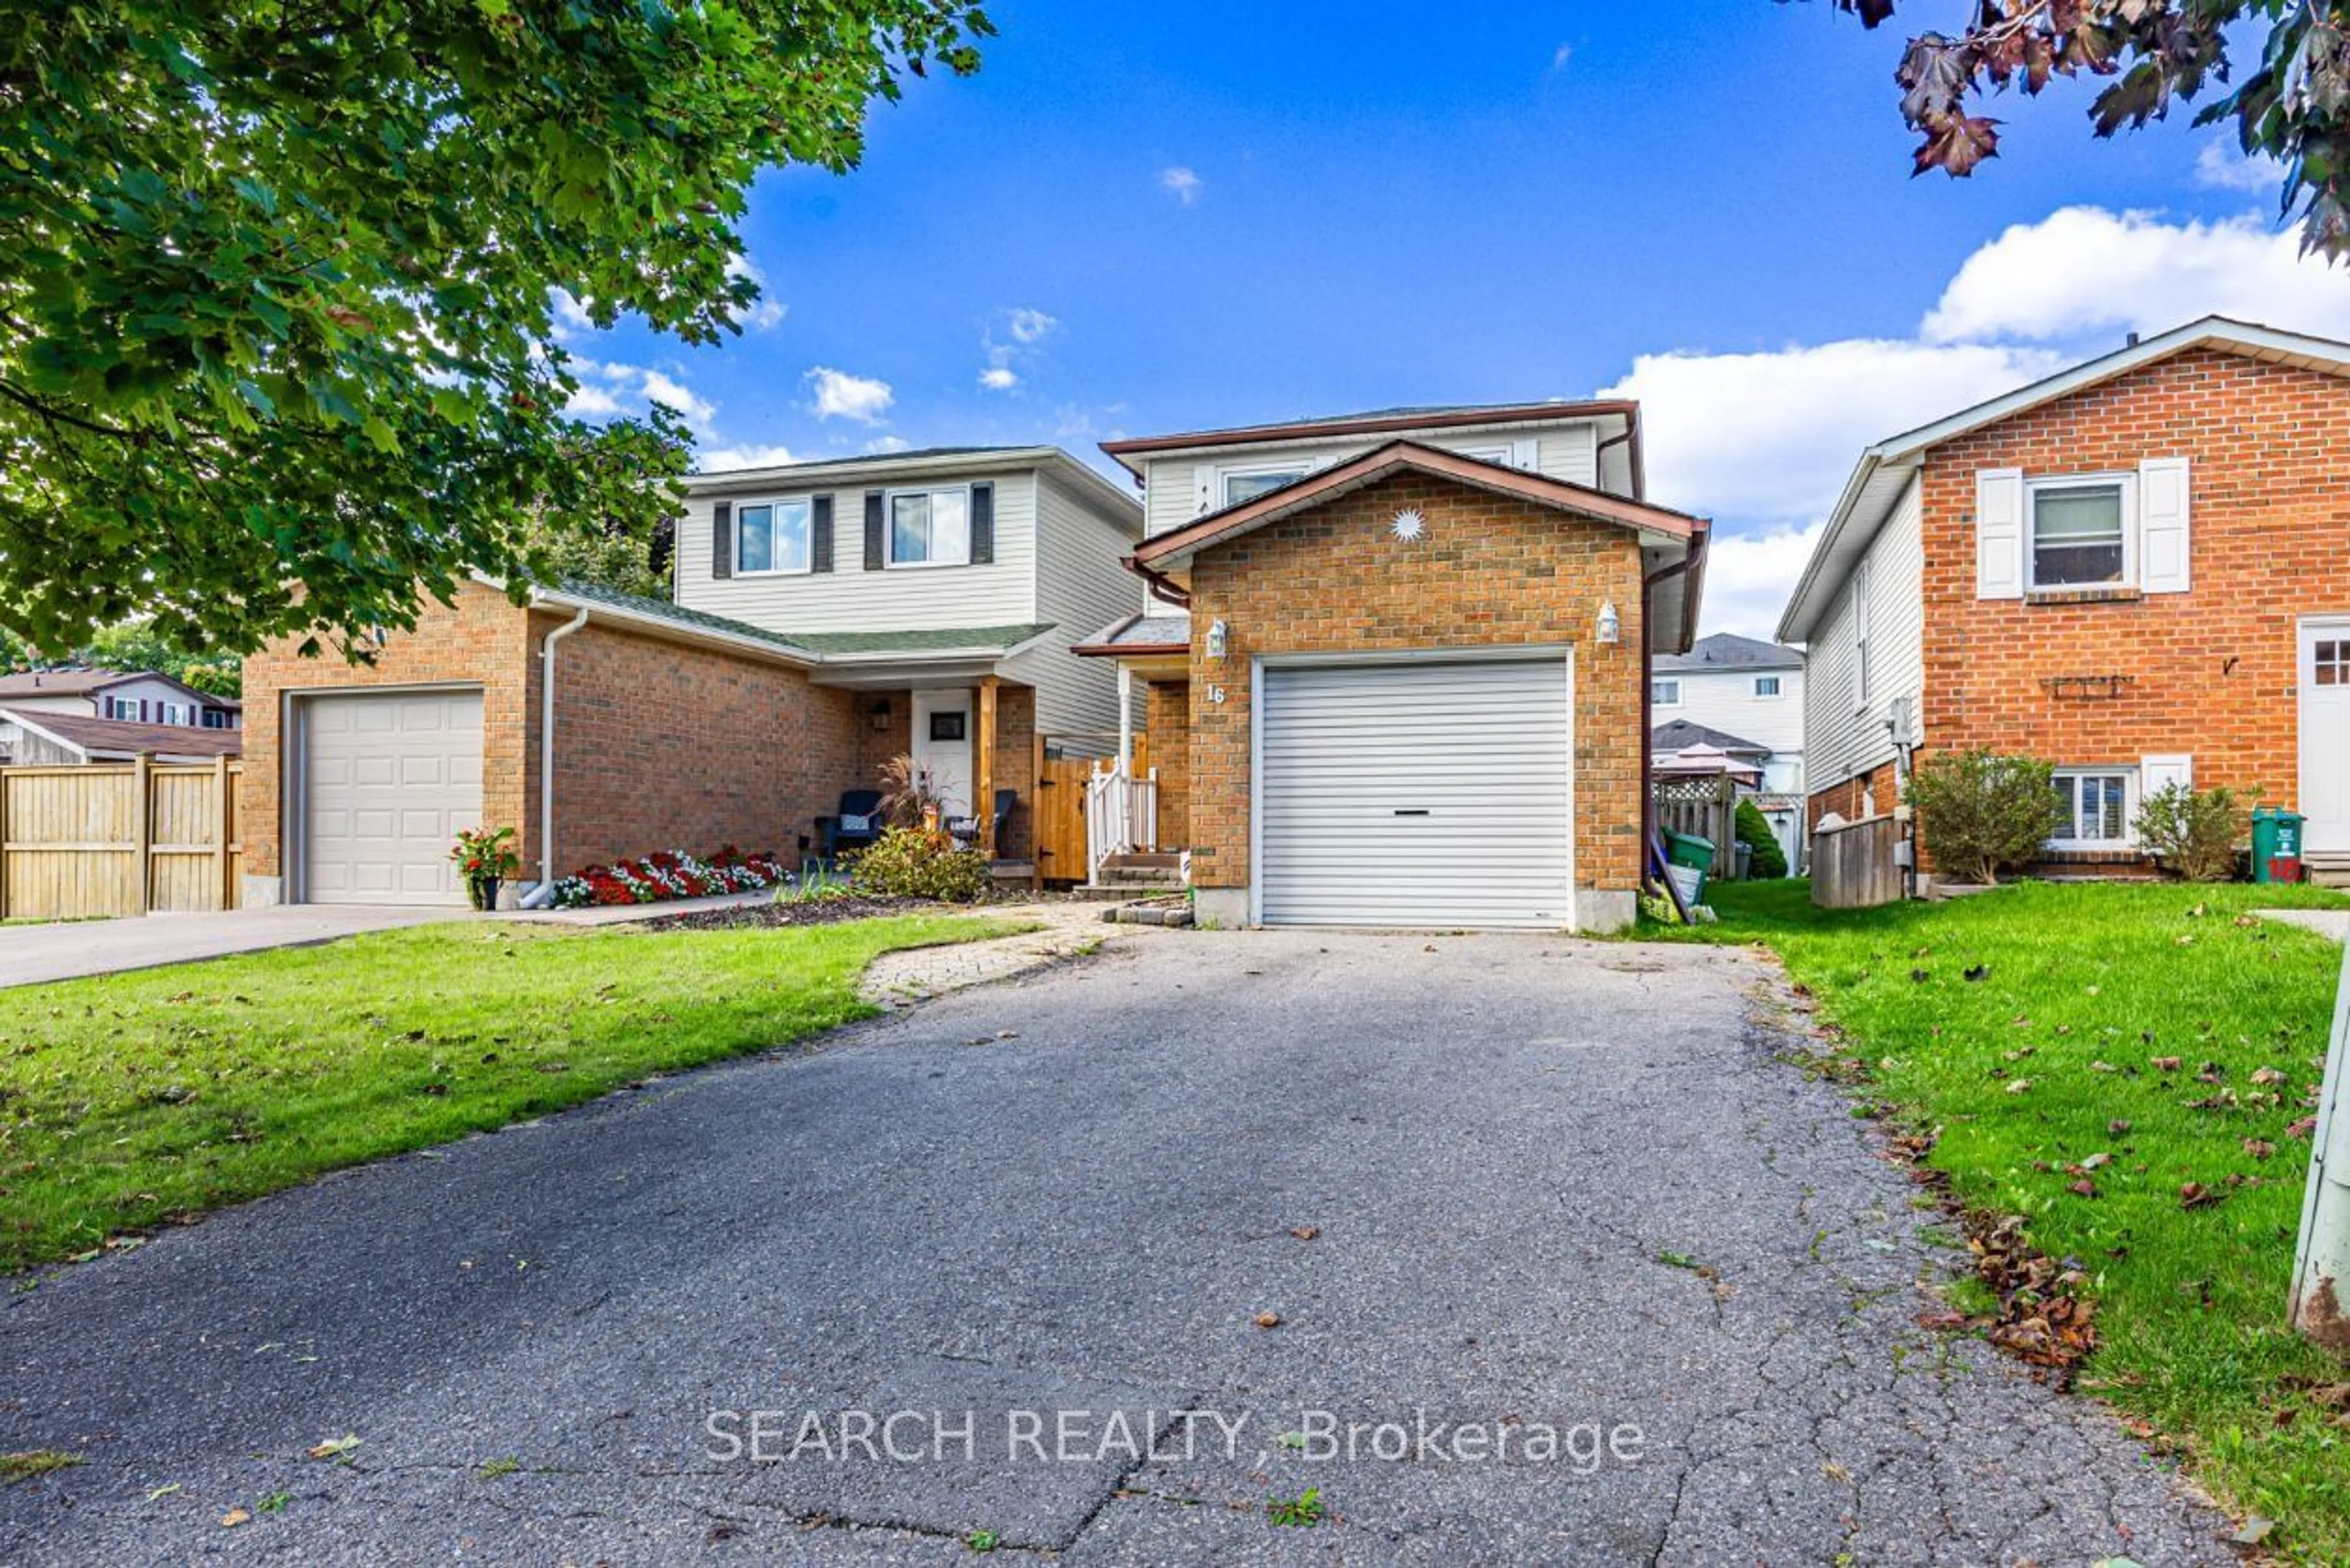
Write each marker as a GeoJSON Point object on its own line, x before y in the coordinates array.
{"type": "Point", "coordinates": [1411, 525]}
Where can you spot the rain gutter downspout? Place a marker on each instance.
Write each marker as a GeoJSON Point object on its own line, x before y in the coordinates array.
{"type": "Point", "coordinates": [544, 894]}
{"type": "Point", "coordinates": [1161, 587]}
{"type": "Point", "coordinates": [1689, 558]}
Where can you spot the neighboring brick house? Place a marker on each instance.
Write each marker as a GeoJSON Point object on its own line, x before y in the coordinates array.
{"type": "Point", "coordinates": [2139, 570]}
{"type": "Point", "coordinates": [829, 617]}
{"type": "Point", "coordinates": [1411, 688]}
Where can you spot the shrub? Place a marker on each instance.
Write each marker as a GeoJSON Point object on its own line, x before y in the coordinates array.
{"type": "Point", "coordinates": [1755, 832]}
{"type": "Point", "coordinates": [1981, 813]}
{"type": "Point", "coordinates": [2191, 832]}
{"type": "Point", "coordinates": [907, 863]}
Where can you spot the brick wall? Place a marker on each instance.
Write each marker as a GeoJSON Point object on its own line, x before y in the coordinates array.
{"type": "Point", "coordinates": [1168, 721]}
{"type": "Point", "coordinates": [2213, 671]}
{"type": "Point", "coordinates": [1872, 794]}
{"type": "Point", "coordinates": [1492, 572]}
{"type": "Point", "coordinates": [662, 745]}
{"type": "Point", "coordinates": [479, 641]}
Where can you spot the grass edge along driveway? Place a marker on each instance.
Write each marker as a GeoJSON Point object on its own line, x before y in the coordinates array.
{"type": "Point", "coordinates": [133, 1100]}
{"type": "Point", "coordinates": [2080, 1054]}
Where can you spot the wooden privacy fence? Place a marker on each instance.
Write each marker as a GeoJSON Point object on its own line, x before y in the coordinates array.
{"type": "Point", "coordinates": [1854, 865]}
{"type": "Point", "coordinates": [122, 838]}
{"type": "Point", "coordinates": [1707, 807]}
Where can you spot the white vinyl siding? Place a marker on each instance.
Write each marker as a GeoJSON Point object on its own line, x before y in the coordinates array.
{"type": "Point", "coordinates": [1841, 735]}
{"type": "Point", "coordinates": [1724, 700]}
{"type": "Point", "coordinates": [850, 598]}
{"type": "Point", "coordinates": [1378, 786]}
{"type": "Point", "coordinates": [1178, 484]}
{"type": "Point", "coordinates": [1081, 588]}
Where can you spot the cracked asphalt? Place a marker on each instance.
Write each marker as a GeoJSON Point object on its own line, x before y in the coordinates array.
{"type": "Point", "coordinates": [1546, 1188]}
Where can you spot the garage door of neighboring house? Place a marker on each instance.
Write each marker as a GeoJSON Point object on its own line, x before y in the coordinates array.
{"type": "Point", "coordinates": [390, 778]}
{"type": "Point", "coordinates": [1434, 792]}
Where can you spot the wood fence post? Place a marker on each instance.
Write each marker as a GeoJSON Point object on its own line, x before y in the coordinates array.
{"type": "Point", "coordinates": [982, 803]}
{"type": "Point", "coordinates": [224, 866]}
{"type": "Point", "coordinates": [142, 804]}
{"type": "Point", "coordinates": [4, 844]}
{"type": "Point", "coordinates": [1035, 809]}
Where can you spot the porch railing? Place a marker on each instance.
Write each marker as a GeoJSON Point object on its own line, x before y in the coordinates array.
{"type": "Point", "coordinates": [1121, 814]}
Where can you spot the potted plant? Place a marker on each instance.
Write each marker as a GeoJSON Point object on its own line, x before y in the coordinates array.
{"type": "Point", "coordinates": [485, 856]}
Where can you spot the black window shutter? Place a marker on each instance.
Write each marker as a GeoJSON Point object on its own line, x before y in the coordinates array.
{"type": "Point", "coordinates": [983, 524]}
{"type": "Point", "coordinates": [873, 557]}
{"type": "Point", "coordinates": [722, 539]}
{"type": "Point", "coordinates": [820, 533]}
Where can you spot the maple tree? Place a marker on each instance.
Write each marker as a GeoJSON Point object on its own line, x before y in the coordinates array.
{"type": "Point", "coordinates": [2292, 105]}
{"type": "Point", "coordinates": [277, 343]}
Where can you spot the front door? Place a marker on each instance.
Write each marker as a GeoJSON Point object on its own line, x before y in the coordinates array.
{"type": "Point", "coordinates": [2326, 734]}
{"type": "Point", "coordinates": [943, 726]}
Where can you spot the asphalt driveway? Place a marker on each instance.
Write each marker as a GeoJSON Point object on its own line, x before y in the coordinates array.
{"type": "Point", "coordinates": [1562, 1196]}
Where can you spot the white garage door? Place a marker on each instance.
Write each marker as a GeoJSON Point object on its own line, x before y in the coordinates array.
{"type": "Point", "coordinates": [391, 780]}
{"type": "Point", "coordinates": [1427, 793]}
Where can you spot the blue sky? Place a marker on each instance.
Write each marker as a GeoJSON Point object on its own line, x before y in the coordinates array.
{"type": "Point", "coordinates": [1145, 222]}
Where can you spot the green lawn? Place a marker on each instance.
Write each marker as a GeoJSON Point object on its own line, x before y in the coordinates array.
{"type": "Point", "coordinates": [130, 1100]}
{"type": "Point", "coordinates": [2057, 1055]}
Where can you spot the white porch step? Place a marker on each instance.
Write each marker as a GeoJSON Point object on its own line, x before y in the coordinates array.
{"type": "Point", "coordinates": [2328, 868]}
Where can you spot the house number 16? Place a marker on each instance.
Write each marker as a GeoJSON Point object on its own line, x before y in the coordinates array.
{"type": "Point", "coordinates": [1215, 693]}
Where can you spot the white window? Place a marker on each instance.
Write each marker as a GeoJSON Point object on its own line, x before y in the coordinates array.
{"type": "Point", "coordinates": [1861, 670]}
{"type": "Point", "coordinates": [1766, 686]}
{"type": "Point", "coordinates": [129, 708]}
{"type": "Point", "coordinates": [175, 713]}
{"type": "Point", "coordinates": [2079, 532]}
{"type": "Point", "coordinates": [929, 527]}
{"type": "Point", "coordinates": [772, 536]}
{"type": "Point", "coordinates": [1506, 453]}
{"type": "Point", "coordinates": [2097, 808]}
{"type": "Point", "coordinates": [1246, 483]}
{"type": "Point", "coordinates": [1665, 693]}
{"type": "Point", "coordinates": [219, 719]}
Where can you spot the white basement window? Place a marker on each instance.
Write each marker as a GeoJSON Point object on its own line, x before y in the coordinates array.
{"type": "Point", "coordinates": [2096, 808]}
{"type": "Point", "coordinates": [929, 527]}
{"type": "Point", "coordinates": [772, 536]}
{"type": "Point", "coordinates": [2080, 533]}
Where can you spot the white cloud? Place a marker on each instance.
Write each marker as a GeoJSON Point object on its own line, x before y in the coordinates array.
{"type": "Point", "coordinates": [608, 387]}
{"type": "Point", "coordinates": [1184, 184]}
{"type": "Point", "coordinates": [720, 459]}
{"type": "Point", "coordinates": [883, 446]}
{"type": "Point", "coordinates": [1750, 576]}
{"type": "Point", "coordinates": [570, 315]}
{"type": "Point", "coordinates": [766, 313]}
{"type": "Point", "coordinates": [999, 377]}
{"type": "Point", "coordinates": [840, 395]}
{"type": "Point", "coordinates": [1561, 56]}
{"type": "Point", "coordinates": [2080, 270]}
{"type": "Point", "coordinates": [1029, 324]}
{"type": "Point", "coordinates": [1768, 437]}
{"type": "Point", "coordinates": [2222, 167]}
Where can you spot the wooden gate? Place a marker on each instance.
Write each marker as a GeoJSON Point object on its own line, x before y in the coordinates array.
{"type": "Point", "coordinates": [119, 839]}
{"type": "Point", "coordinates": [1706, 807]}
{"type": "Point", "coordinates": [1061, 854]}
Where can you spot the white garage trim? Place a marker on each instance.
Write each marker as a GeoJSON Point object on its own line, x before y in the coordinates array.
{"type": "Point", "coordinates": [1510, 804]}
{"type": "Point", "coordinates": [296, 827]}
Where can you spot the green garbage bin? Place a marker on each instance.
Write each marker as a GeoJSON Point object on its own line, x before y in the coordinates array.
{"type": "Point", "coordinates": [1687, 849]}
{"type": "Point", "coordinates": [2276, 845]}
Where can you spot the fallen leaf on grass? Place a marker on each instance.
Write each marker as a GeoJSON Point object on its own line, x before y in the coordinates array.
{"type": "Point", "coordinates": [2166, 1063]}
{"type": "Point", "coordinates": [2259, 1149]}
{"type": "Point", "coordinates": [2085, 1187]}
{"type": "Point", "coordinates": [1979, 973]}
{"type": "Point", "coordinates": [2195, 1195]}
{"type": "Point", "coordinates": [2092, 1162]}
{"type": "Point", "coordinates": [2301, 1128]}
{"type": "Point", "coordinates": [2268, 1077]}
{"type": "Point", "coordinates": [2118, 1128]}
{"type": "Point", "coordinates": [2019, 1086]}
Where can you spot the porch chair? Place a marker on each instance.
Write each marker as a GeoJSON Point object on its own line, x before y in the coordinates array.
{"type": "Point", "coordinates": [856, 825]}
{"type": "Point", "coordinates": [965, 829]}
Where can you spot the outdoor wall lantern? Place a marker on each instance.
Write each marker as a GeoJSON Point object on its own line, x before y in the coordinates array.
{"type": "Point", "coordinates": [1218, 638]}
{"type": "Point", "coordinates": [1611, 625]}
{"type": "Point", "coordinates": [881, 713]}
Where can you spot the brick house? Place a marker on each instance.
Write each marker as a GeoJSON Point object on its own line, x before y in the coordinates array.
{"type": "Point", "coordinates": [2137, 569]}
{"type": "Point", "coordinates": [1407, 681]}
{"type": "Point", "coordinates": [791, 667]}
